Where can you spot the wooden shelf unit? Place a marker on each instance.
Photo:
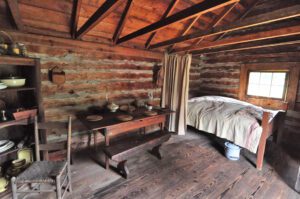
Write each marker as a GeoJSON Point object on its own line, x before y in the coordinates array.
{"type": "Point", "coordinates": [26, 97]}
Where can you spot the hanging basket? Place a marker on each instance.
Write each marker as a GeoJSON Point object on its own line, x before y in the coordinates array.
{"type": "Point", "coordinates": [57, 75]}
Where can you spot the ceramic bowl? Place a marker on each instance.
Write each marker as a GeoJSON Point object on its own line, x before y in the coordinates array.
{"type": "Point", "coordinates": [3, 184]}
{"type": "Point", "coordinates": [13, 81]}
{"type": "Point", "coordinates": [19, 163]}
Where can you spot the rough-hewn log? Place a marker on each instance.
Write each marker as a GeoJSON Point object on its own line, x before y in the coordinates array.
{"type": "Point", "coordinates": [278, 15]}
{"type": "Point", "coordinates": [122, 21]}
{"type": "Point", "coordinates": [98, 16]}
{"type": "Point", "coordinates": [75, 16]}
{"type": "Point", "coordinates": [197, 9]}
{"type": "Point", "coordinates": [168, 11]}
{"type": "Point", "coordinates": [15, 13]}
{"type": "Point", "coordinates": [280, 32]}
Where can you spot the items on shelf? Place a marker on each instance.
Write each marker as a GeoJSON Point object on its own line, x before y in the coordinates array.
{"type": "Point", "coordinates": [9, 47]}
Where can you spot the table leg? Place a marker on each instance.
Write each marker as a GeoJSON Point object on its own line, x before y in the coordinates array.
{"type": "Point", "coordinates": [106, 144]}
{"type": "Point", "coordinates": [95, 140]}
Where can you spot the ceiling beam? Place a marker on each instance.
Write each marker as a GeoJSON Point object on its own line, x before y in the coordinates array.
{"type": "Point", "coordinates": [75, 16]}
{"type": "Point", "coordinates": [122, 21]}
{"type": "Point", "coordinates": [168, 11]}
{"type": "Point", "coordinates": [278, 15]}
{"type": "Point", "coordinates": [214, 23]}
{"type": "Point", "coordinates": [263, 35]}
{"type": "Point", "coordinates": [197, 9]}
{"type": "Point", "coordinates": [242, 16]}
{"type": "Point", "coordinates": [15, 13]}
{"type": "Point", "coordinates": [107, 7]}
{"type": "Point", "coordinates": [249, 46]}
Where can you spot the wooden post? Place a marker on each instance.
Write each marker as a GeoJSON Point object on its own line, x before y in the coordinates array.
{"type": "Point", "coordinates": [263, 140]}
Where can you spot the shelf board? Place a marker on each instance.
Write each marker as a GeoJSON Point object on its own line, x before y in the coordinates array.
{"type": "Point", "coordinates": [10, 151]}
{"type": "Point", "coordinates": [15, 60]}
{"type": "Point", "coordinates": [17, 89]}
{"type": "Point", "coordinates": [8, 123]}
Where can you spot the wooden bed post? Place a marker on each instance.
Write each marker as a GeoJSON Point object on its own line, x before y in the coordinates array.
{"type": "Point", "coordinates": [263, 140]}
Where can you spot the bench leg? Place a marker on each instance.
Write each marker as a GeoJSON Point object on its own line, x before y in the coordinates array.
{"type": "Point", "coordinates": [122, 168]}
{"type": "Point", "coordinates": [155, 151]}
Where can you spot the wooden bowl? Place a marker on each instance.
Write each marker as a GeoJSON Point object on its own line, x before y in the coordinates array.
{"type": "Point", "coordinates": [150, 113]}
{"type": "Point", "coordinates": [124, 118]}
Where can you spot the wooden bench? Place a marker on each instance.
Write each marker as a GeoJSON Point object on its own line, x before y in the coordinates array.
{"type": "Point", "coordinates": [121, 150]}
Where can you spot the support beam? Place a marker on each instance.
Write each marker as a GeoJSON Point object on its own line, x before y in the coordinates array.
{"type": "Point", "coordinates": [107, 7]}
{"type": "Point", "coordinates": [218, 20]}
{"type": "Point", "coordinates": [122, 21]}
{"type": "Point", "coordinates": [270, 34]}
{"type": "Point", "coordinates": [75, 16]}
{"type": "Point", "coordinates": [242, 16]}
{"type": "Point", "coordinates": [15, 13]}
{"type": "Point", "coordinates": [278, 15]}
{"type": "Point", "coordinates": [197, 9]}
{"type": "Point", "coordinates": [249, 46]}
{"type": "Point", "coordinates": [169, 10]}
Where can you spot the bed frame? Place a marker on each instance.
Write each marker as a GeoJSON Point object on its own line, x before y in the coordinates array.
{"type": "Point", "coordinates": [268, 129]}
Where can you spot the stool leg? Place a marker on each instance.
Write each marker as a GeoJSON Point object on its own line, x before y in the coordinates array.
{"type": "Point", "coordinates": [58, 187]}
{"type": "Point", "coordinates": [14, 187]}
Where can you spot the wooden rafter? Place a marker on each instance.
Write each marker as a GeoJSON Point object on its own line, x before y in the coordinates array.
{"type": "Point", "coordinates": [242, 15]}
{"type": "Point", "coordinates": [122, 21]}
{"type": "Point", "coordinates": [278, 15]}
{"type": "Point", "coordinates": [15, 13]}
{"type": "Point", "coordinates": [197, 9]}
{"type": "Point", "coordinates": [75, 16]}
{"type": "Point", "coordinates": [215, 22]}
{"type": "Point", "coordinates": [270, 34]}
{"type": "Point", "coordinates": [249, 46]}
{"type": "Point", "coordinates": [168, 11]}
{"type": "Point", "coordinates": [107, 7]}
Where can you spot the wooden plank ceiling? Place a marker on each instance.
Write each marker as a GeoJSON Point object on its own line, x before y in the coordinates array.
{"type": "Point", "coordinates": [176, 25]}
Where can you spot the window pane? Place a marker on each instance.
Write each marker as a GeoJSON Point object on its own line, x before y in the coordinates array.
{"type": "Point", "coordinates": [252, 89]}
{"type": "Point", "coordinates": [277, 91]}
{"type": "Point", "coordinates": [264, 90]}
{"type": "Point", "coordinates": [267, 84]}
{"type": "Point", "coordinates": [266, 78]}
{"type": "Point", "coordinates": [254, 77]}
{"type": "Point", "coordinates": [278, 79]}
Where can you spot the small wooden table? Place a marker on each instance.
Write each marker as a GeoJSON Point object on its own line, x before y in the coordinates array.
{"type": "Point", "coordinates": [111, 126]}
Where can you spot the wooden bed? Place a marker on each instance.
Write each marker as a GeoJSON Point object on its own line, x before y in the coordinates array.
{"type": "Point", "coordinates": [268, 129]}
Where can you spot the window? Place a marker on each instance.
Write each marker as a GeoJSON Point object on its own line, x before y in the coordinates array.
{"type": "Point", "coordinates": [267, 84]}
{"type": "Point", "coordinates": [270, 85]}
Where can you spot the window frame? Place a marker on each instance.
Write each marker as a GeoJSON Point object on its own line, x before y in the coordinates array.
{"type": "Point", "coordinates": [286, 83]}
{"type": "Point", "coordinates": [288, 102]}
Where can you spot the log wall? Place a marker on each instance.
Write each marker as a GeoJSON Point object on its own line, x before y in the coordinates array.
{"type": "Point", "coordinates": [90, 68]}
{"type": "Point", "coordinates": [219, 73]}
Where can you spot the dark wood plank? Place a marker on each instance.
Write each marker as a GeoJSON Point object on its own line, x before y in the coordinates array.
{"type": "Point", "coordinates": [200, 8]}
{"type": "Point", "coordinates": [75, 16]}
{"type": "Point", "coordinates": [275, 16]}
{"type": "Point", "coordinates": [15, 13]}
{"type": "Point", "coordinates": [102, 12]}
{"type": "Point", "coordinates": [168, 11]}
{"type": "Point", "coordinates": [122, 21]}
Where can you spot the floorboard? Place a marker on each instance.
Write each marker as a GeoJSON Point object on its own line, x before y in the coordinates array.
{"type": "Point", "coordinates": [193, 166]}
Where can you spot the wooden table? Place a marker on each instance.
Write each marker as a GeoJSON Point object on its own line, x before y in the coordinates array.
{"type": "Point", "coordinates": [110, 126]}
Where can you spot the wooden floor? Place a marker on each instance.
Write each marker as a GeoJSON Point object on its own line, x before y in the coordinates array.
{"type": "Point", "coordinates": [193, 167]}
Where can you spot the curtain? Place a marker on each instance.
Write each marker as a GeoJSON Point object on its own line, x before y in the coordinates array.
{"type": "Point", "coordinates": [176, 70]}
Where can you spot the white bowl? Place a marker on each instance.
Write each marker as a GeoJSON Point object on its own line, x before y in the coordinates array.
{"type": "Point", "coordinates": [13, 81]}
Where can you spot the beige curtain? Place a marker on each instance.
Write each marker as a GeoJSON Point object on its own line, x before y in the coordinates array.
{"type": "Point", "coordinates": [175, 90]}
